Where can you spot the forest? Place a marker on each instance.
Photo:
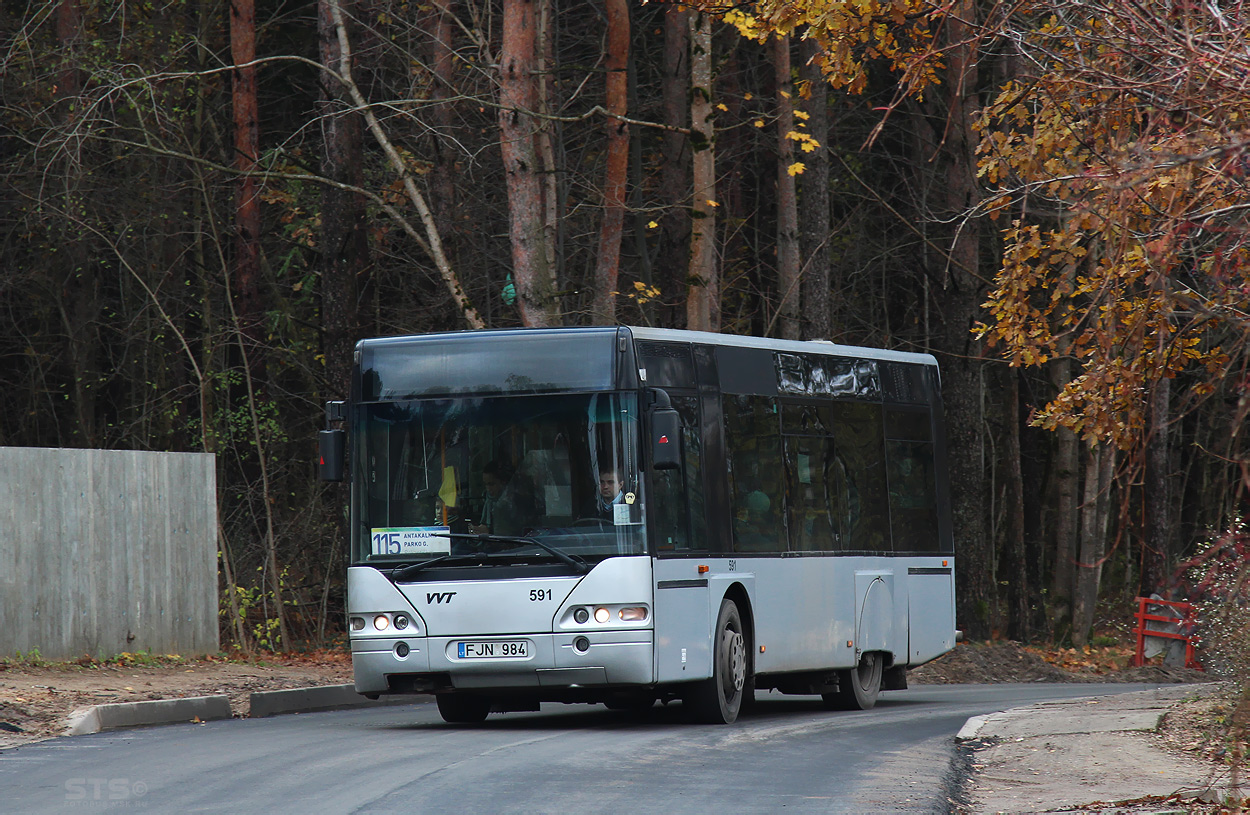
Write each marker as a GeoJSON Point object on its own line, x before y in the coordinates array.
{"type": "Point", "coordinates": [203, 205]}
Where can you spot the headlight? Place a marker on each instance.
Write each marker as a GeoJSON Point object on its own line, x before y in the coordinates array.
{"type": "Point", "coordinates": [602, 615]}
{"type": "Point", "coordinates": [357, 623]}
{"type": "Point", "coordinates": [401, 622]}
{"type": "Point", "coordinates": [581, 615]}
{"type": "Point", "coordinates": [381, 622]}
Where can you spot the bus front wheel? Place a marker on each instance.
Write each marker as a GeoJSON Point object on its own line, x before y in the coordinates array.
{"type": "Point", "coordinates": [458, 708]}
{"type": "Point", "coordinates": [857, 688]}
{"type": "Point", "coordinates": [717, 699]}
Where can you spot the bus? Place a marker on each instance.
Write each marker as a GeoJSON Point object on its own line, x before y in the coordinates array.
{"type": "Point", "coordinates": [626, 515]}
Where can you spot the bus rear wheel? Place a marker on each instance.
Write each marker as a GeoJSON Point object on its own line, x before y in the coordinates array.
{"type": "Point", "coordinates": [857, 688]}
{"type": "Point", "coordinates": [718, 699]}
{"type": "Point", "coordinates": [459, 708]}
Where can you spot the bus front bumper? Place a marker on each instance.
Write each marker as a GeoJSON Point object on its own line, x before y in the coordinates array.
{"type": "Point", "coordinates": [611, 658]}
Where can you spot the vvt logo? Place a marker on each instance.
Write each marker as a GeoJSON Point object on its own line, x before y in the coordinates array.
{"type": "Point", "coordinates": [439, 596]}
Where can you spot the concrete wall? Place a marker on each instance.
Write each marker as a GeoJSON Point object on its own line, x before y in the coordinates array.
{"type": "Point", "coordinates": [105, 551]}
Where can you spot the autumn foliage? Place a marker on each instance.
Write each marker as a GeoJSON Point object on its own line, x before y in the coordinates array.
{"type": "Point", "coordinates": [1118, 158]}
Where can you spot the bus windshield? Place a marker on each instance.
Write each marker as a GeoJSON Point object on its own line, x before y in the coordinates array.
{"type": "Point", "coordinates": [560, 470]}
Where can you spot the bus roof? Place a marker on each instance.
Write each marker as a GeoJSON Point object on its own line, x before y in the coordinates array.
{"type": "Point", "coordinates": [792, 346]}
{"type": "Point", "coordinates": [680, 335]}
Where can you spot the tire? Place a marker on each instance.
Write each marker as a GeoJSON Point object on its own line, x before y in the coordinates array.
{"type": "Point", "coordinates": [858, 687]}
{"type": "Point", "coordinates": [718, 699]}
{"type": "Point", "coordinates": [458, 708]}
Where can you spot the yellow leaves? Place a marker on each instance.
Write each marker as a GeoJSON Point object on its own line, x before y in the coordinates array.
{"type": "Point", "coordinates": [749, 26]}
{"type": "Point", "coordinates": [652, 225]}
{"type": "Point", "coordinates": [805, 141]}
{"type": "Point", "coordinates": [642, 293]}
{"type": "Point", "coordinates": [796, 168]}
{"type": "Point", "coordinates": [898, 33]}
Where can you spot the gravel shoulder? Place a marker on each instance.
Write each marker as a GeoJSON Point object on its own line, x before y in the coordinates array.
{"type": "Point", "coordinates": [1188, 763]}
{"type": "Point", "coordinates": [35, 701]}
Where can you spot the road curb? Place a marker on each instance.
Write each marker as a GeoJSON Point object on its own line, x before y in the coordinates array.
{"type": "Point", "coordinates": [139, 714]}
{"type": "Point", "coordinates": [325, 697]}
{"type": "Point", "coordinates": [972, 727]}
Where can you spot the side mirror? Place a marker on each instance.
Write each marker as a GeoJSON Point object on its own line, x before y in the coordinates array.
{"type": "Point", "coordinates": [330, 445]}
{"type": "Point", "coordinates": [665, 433]}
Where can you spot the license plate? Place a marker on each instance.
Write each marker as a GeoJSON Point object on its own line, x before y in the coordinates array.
{"type": "Point", "coordinates": [494, 649]}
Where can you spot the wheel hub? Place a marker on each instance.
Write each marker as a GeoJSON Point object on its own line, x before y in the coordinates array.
{"type": "Point", "coordinates": [734, 651]}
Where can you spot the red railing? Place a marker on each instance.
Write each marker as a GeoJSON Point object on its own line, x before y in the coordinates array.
{"type": "Point", "coordinates": [1184, 623]}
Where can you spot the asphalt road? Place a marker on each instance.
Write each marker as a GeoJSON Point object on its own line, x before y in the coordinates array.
{"type": "Point", "coordinates": [788, 754]}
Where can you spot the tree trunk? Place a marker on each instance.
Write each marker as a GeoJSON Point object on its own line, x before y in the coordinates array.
{"type": "Point", "coordinates": [787, 196]}
{"type": "Point", "coordinates": [673, 255]}
{"type": "Point", "coordinates": [246, 283]}
{"type": "Point", "coordinates": [440, 31]}
{"type": "Point", "coordinates": [641, 229]}
{"type": "Point", "coordinates": [814, 235]}
{"type": "Point", "coordinates": [546, 138]}
{"type": "Point", "coordinates": [68, 34]}
{"type": "Point", "coordinates": [703, 297]}
{"type": "Point", "coordinates": [344, 241]}
{"type": "Point", "coordinates": [1157, 494]}
{"type": "Point", "coordinates": [1095, 509]}
{"type": "Point", "coordinates": [959, 301]}
{"type": "Point", "coordinates": [1067, 482]}
{"type": "Point", "coordinates": [616, 99]}
{"type": "Point", "coordinates": [518, 98]}
{"type": "Point", "coordinates": [1017, 566]}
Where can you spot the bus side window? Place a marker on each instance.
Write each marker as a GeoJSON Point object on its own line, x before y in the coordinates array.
{"type": "Point", "coordinates": [860, 504]}
{"type": "Point", "coordinates": [913, 500]}
{"type": "Point", "coordinates": [753, 447]}
{"type": "Point", "coordinates": [809, 463]}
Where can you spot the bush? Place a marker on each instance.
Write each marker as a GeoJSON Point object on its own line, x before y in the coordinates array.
{"type": "Point", "coordinates": [1218, 579]}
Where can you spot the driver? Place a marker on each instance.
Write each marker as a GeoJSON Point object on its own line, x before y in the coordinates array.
{"type": "Point", "coordinates": [611, 492]}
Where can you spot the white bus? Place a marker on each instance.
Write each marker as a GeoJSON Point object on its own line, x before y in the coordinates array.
{"type": "Point", "coordinates": [624, 515]}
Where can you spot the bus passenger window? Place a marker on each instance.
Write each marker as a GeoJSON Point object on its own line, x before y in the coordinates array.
{"type": "Point", "coordinates": [859, 486]}
{"type": "Point", "coordinates": [809, 462]}
{"type": "Point", "coordinates": [913, 499]}
{"type": "Point", "coordinates": [913, 505]}
{"type": "Point", "coordinates": [753, 446]}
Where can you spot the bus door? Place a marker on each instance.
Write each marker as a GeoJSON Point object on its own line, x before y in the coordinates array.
{"type": "Point", "coordinates": [679, 542]}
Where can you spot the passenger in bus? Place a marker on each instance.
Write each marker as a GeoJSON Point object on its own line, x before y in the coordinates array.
{"type": "Point", "coordinates": [503, 508]}
{"type": "Point", "coordinates": [611, 493]}
{"type": "Point", "coordinates": [756, 529]}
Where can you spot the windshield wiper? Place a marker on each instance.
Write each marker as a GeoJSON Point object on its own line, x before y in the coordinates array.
{"type": "Point", "coordinates": [405, 573]}
{"type": "Point", "coordinates": [522, 540]}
